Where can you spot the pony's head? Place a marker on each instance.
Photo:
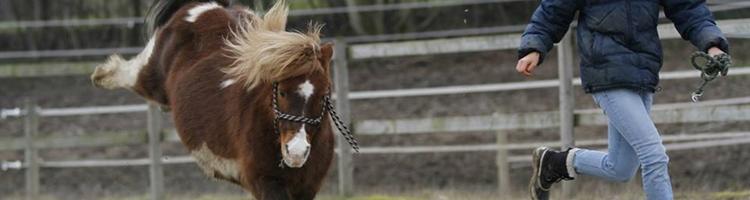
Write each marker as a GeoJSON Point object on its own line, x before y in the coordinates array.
{"type": "Point", "coordinates": [295, 64]}
{"type": "Point", "coordinates": [300, 112]}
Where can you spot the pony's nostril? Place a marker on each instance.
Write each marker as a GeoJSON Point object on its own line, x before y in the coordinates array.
{"type": "Point", "coordinates": [286, 146]}
{"type": "Point", "coordinates": [307, 152]}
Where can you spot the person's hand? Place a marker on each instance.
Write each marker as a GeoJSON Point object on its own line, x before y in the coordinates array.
{"type": "Point", "coordinates": [528, 63]}
{"type": "Point", "coordinates": [715, 51]}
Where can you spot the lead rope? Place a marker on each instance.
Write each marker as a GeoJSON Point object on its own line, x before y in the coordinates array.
{"type": "Point", "coordinates": [714, 66]}
{"type": "Point", "coordinates": [340, 125]}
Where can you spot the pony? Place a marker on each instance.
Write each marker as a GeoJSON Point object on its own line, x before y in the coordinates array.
{"type": "Point", "coordinates": [249, 99]}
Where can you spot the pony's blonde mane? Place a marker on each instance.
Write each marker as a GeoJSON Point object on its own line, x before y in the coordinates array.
{"type": "Point", "coordinates": [265, 52]}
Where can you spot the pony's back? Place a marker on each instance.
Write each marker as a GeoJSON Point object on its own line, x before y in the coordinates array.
{"type": "Point", "coordinates": [162, 10]}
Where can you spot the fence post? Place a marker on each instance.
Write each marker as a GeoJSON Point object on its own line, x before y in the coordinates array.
{"type": "Point", "coordinates": [31, 127]}
{"type": "Point", "coordinates": [567, 101]}
{"type": "Point", "coordinates": [503, 166]}
{"type": "Point", "coordinates": [156, 175]}
{"type": "Point", "coordinates": [341, 86]}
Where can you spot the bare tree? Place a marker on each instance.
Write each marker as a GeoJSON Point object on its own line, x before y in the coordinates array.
{"type": "Point", "coordinates": [354, 17]}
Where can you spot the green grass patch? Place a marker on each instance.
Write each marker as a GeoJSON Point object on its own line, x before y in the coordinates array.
{"type": "Point", "coordinates": [731, 195]}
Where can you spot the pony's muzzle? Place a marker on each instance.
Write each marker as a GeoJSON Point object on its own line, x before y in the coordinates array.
{"type": "Point", "coordinates": [297, 150]}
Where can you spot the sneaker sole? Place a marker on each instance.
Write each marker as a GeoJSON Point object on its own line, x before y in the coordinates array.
{"type": "Point", "coordinates": [534, 183]}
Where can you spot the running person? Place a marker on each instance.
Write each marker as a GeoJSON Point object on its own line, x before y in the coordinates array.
{"type": "Point", "coordinates": [620, 56]}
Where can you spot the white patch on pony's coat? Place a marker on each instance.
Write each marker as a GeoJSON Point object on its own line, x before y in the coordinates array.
{"type": "Point", "coordinates": [196, 11]}
{"type": "Point", "coordinates": [306, 89]}
{"type": "Point", "coordinates": [212, 163]}
{"type": "Point", "coordinates": [298, 145]}
{"type": "Point", "coordinates": [297, 149]}
{"type": "Point", "coordinates": [227, 83]}
{"type": "Point", "coordinates": [129, 75]}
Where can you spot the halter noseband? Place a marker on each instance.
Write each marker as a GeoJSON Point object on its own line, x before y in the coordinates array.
{"type": "Point", "coordinates": [327, 106]}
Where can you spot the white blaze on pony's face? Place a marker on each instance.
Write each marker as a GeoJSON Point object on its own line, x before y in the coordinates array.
{"type": "Point", "coordinates": [306, 89]}
{"type": "Point", "coordinates": [297, 149]}
{"type": "Point", "coordinates": [300, 96]}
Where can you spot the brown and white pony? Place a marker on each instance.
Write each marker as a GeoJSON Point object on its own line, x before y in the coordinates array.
{"type": "Point", "coordinates": [226, 74]}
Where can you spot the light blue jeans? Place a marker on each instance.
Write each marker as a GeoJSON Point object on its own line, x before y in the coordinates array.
{"type": "Point", "coordinates": [633, 141]}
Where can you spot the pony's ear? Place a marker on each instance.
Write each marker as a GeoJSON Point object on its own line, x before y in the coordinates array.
{"type": "Point", "coordinates": [326, 53]}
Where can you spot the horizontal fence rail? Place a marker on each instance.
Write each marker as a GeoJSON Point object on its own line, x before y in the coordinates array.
{"type": "Point", "coordinates": [55, 112]}
{"type": "Point", "coordinates": [670, 147]}
{"type": "Point", "coordinates": [527, 146]}
{"type": "Point", "coordinates": [715, 6]}
{"type": "Point", "coordinates": [447, 90]}
{"type": "Point", "coordinates": [131, 21]}
{"type": "Point", "coordinates": [68, 53]}
{"type": "Point", "coordinates": [672, 142]}
{"type": "Point", "coordinates": [498, 87]}
{"type": "Point", "coordinates": [391, 49]}
{"type": "Point", "coordinates": [397, 6]}
{"type": "Point", "coordinates": [495, 42]}
{"type": "Point", "coordinates": [734, 109]}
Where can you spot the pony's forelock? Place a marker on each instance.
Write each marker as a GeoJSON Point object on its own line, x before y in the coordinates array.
{"type": "Point", "coordinates": [265, 52]}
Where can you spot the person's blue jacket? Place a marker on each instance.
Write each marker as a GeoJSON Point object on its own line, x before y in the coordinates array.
{"type": "Point", "coordinates": [617, 39]}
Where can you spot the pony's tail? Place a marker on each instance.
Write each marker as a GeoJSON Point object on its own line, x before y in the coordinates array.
{"type": "Point", "coordinates": [162, 10]}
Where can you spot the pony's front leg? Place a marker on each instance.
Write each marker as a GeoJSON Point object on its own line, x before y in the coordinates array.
{"type": "Point", "coordinates": [307, 194]}
{"type": "Point", "coordinates": [271, 189]}
{"type": "Point", "coordinates": [116, 72]}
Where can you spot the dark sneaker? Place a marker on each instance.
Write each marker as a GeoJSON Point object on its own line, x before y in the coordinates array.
{"type": "Point", "coordinates": [549, 167]}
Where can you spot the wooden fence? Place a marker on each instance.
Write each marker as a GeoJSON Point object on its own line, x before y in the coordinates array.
{"type": "Point", "coordinates": [721, 110]}
{"type": "Point", "coordinates": [712, 111]}
{"type": "Point", "coordinates": [727, 110]}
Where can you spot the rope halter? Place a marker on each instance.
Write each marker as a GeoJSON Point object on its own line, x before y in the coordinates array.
{"type": "Point", "coordinates": [327, 107]}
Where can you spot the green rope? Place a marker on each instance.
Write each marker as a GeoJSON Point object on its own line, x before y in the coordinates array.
{"type": "Point", "coordinates": [710, 69]}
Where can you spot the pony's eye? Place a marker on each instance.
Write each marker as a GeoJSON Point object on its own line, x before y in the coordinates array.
{"type": "Point", "coordinates": [282, 94]}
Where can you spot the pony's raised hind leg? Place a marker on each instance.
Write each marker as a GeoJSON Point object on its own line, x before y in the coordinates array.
{"type": "Point", "coordinates": [116, 72]}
